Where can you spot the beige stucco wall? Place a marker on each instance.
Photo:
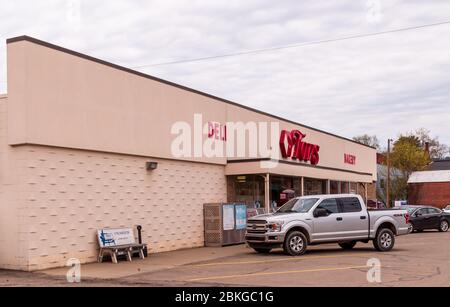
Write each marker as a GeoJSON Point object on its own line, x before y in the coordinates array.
{"type": "Point", "coordinates": [52, 201]}
{"type": "Point", "coordinates": [74, 138]}
{"type": "Point", "coordinates": [13, 238]}
{"type": "Point", "coordinates": [107, 109]}
{"type": "Point", "coordinates": [96, 106]}
{"type": "Point", "coordinates": [69, 194]}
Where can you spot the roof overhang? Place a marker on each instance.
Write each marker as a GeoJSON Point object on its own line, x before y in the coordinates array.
{"type": "Point", "coordinates": [429, 177]}
{"type": "Point", "coordinates": [268, 166]}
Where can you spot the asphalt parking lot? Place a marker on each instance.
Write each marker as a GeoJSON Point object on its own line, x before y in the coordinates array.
{"type": "Point", "coordinates": [419, 259]}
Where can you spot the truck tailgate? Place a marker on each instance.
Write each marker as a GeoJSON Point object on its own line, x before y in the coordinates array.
{"type": "Point", "coordinates": [397, 217]}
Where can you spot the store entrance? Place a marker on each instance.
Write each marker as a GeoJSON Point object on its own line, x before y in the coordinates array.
{"type": "Point", "coordinates": [247, 189]}
{"type": "Point", "coordinates": [250, 189]}
{"type": "Point", "coordinates": [282, 189]}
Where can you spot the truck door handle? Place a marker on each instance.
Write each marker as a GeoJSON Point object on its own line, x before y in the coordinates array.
{"type": "Point", "coordinates": [339, 219]}
{"type": "Point", "coordinates": [363, 217]}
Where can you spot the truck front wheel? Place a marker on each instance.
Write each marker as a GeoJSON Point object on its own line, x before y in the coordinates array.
{"type": "Point", "coordinates": [295, 243]}
{"type": "Point", "coordinates": [384, 240]}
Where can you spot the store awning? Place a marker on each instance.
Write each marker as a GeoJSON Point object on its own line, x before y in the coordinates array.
{"type": "Point", "coordinates": [285, 168]}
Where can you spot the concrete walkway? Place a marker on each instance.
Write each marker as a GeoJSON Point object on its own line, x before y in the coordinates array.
{"type": "Point", "coordinates": [153, 263]}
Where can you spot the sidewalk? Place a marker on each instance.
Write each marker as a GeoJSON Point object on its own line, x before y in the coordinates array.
{"type": "Point", "coordinates": [155, 262]}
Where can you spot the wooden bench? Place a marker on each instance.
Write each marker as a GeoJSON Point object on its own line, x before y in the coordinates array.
{"type": "Point", "coordinates": [117, 242]}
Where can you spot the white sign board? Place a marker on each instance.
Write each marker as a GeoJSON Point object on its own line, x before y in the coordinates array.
{"type": "Point", "coordinates": [228, 217]}
{"type": "Point", "coordinates": [399, 203]}
{"type": "Point", "coordinates": [115, 237]}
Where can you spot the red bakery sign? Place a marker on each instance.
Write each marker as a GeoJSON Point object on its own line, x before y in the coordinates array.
{"type": "Point", "coordinates": [349, 159]}
{"type": "Point", "coordinates": [297, 149]}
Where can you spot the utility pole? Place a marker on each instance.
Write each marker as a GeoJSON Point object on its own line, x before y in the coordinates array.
{"type": "Point", "coordinates": [388, 184]}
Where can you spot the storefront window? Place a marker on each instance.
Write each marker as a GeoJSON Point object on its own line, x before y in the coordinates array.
{"type": "Point", "coordinates": [344, 187]}
{"type": "Point", "coordinates": [315, 186]}
{"type": "Point", "coordinates": [248, 189]}
{"type": "Point", "coordinates": [353, 188]}
{"type": "Point", "coordinates": [282, 189]}
{"type": "Point", "coordinates": [334, 187]}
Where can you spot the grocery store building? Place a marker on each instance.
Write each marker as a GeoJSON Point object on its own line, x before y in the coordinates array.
{"type": "Point", "coordinates": [86, 145]}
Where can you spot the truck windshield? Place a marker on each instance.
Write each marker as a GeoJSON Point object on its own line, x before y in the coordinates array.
{"type": "Point", "coordinates": [301, 205]}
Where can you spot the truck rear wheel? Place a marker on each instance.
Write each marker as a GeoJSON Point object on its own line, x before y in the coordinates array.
{"type": "Point", "coordinates": [347, 245]}
{"type": "Point", "coordinates": [295, 243]}
{"type": "Point", "coordinates": [385, 240]}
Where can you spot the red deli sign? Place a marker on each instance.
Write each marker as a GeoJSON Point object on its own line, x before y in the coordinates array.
{"type": "Point", "coordinates": [217, 131]}
{"type": "Point", "coordinates": [297, 149]}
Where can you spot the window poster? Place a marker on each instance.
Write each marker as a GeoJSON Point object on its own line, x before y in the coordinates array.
{"type": "Point", "coordinates": [241, 217]}
{"type": "Point", "coordinates": [228, 217]}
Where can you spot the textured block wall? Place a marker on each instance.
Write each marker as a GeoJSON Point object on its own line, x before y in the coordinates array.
{"type": "Point", "coordinates": [69, 194]}
{"type": "Point", "coordinates": [13, 238]}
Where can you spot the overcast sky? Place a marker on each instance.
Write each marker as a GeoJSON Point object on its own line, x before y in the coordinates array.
{"type": "Point", "coordinates": [381, 85]}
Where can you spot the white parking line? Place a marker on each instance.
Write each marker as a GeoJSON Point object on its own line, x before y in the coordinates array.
{"type": "Point", "coordinates": [277, 273]}
{"type": "Point", "coordinates": [284, 259]}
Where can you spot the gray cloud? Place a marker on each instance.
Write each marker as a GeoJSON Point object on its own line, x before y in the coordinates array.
{"type": "Point", "coordinates": [380, 85]}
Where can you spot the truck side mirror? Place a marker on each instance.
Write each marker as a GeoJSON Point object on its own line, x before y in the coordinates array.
{"type": "Point", "coordinates": [320, 212]}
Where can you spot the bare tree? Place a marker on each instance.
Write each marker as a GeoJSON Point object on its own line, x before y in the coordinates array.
{"type": "Point", "coordinates": [370, 140]}
{"type": "Point", "coordinates": [437, 150]}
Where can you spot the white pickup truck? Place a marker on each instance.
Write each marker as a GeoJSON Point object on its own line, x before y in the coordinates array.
{"type": "Point", "coordinates": [311, 220]}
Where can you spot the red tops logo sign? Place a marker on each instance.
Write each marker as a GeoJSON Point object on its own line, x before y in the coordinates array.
{"type": "Point", "coordinates": [297, 149]}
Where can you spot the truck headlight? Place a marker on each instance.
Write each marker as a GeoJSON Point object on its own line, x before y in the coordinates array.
{"type": "Point", "coordinates": [275, 226]}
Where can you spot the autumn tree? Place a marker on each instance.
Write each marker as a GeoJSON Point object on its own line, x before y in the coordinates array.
{"type": "Point", "coordinates": [408, 155]}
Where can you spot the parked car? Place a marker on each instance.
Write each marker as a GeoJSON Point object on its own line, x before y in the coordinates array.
{"type": "Point", "coordinates": [311, 220]}
{"type": "Point", "coordinates": [427, 217]}
{"type": "Point", "coordinates": [447, 209]}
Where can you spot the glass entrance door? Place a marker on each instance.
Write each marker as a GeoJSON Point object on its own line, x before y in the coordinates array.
{"type": "Point", "coordinates": [248, 189]}
{"type": "Point", "coordinates": [283, 188]}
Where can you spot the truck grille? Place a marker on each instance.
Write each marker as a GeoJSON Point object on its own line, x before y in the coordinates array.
{"type": "Point", "coordinates": [256, 226]}
{"type": "Point", "coordinates": [259, 239]}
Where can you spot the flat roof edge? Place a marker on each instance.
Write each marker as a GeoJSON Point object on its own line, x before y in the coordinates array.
{"type": "Point", "coordinates": [141, 74]}
{"type": "Point", "coordinates": [299, 164]}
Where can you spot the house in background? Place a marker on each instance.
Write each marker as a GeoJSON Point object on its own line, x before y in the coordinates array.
{"type": "Point", "coordinates": [382, 177]}
{"type": "Point", "coordinates": [432, 186]}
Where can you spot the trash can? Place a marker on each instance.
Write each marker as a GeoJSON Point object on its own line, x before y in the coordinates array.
{"type": "Point", "coordinates": [225, 224]}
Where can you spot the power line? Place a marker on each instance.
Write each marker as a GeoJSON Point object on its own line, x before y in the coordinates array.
{"type": "Point", "coordinates": [297, 45]}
